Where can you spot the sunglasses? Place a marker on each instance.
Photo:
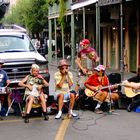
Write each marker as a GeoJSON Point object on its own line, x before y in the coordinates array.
{"type": "Point", "coordinates": [101, 71]}
{"type": "Point", "coordinates": [62, 68]}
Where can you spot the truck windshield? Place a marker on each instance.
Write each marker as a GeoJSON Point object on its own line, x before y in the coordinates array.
{"type": "Point", "coordinates": [15, 44]}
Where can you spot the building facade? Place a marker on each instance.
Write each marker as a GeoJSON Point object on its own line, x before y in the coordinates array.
{"type": "Point", "coordinates": [112, 27]}
{"type": "Point", "coordinates": [3, 7]}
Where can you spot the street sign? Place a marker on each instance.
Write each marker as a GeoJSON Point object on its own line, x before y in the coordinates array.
{"type": "Point", "coordinates": [108, 2]}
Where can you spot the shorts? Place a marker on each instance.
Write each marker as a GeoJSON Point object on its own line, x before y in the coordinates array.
{"type": "Point", "coordinates": [36, 99]}
{"type": "Point", "coordinates": [66, 96]}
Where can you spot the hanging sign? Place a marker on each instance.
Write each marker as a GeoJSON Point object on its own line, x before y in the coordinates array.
{"type": "Point", "coordinates": [108, 2]}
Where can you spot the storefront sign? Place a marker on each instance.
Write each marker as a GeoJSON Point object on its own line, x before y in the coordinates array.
{"type": "Point", "coordinates": [108, 2]}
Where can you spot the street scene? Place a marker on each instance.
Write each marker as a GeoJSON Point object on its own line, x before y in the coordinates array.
{"type": "Point", "coordinates": [69, 69]}
{"type": "Point", "coordinates": [89, 125]}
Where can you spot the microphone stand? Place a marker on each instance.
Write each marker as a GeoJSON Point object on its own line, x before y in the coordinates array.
{"type": "Point", "coordinates": [110, 100]}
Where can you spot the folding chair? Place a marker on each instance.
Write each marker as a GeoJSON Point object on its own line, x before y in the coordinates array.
{"type": "Point", "coordinates": [16, 98]}
{"type": "Point", "coordinates": [36, 109]}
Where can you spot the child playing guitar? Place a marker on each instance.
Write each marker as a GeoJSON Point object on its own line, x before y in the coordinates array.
{"type": "Point", "coordinates": [96, 81]}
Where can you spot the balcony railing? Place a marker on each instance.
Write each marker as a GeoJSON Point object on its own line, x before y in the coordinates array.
{"type": "Point", "coordinates": [76, 1]}
{"type": "Point", "coordinates": [4, 1]}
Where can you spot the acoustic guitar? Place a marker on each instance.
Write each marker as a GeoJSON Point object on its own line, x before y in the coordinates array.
{"type": "Point", "coordinates": [91, 93]}
{"type": "Point", "coordinates": [35, 82]}
{"type": "Point", "coordinates": [35, 92]}
{"type": "Point", "coordinates": [131, 92]}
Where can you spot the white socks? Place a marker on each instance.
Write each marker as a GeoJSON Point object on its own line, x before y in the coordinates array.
{"type": "Point", "coordinates": [73, 114]}
{"type": "Point", "coordinates": [98, 106]}
{"type": "Point", "coordinates": [58, 116]}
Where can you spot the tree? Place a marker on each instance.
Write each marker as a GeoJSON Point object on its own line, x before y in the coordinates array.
{"type": "Point", "coordinates": [32, 14]}
{"type": "Point", "coordinates": [36, 18]}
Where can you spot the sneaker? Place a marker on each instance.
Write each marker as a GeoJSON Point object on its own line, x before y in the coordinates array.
{"type": "Point", "coordinates": [74, 114]}
{"type": "Point", "coordinates": [58, 116]}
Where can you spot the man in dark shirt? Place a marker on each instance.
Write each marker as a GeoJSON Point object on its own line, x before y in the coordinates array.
{"type": "Point", "coordinates": [4, 82]}
{"type": "Point", "coordinates": [4, 79]}
{"type": "Point", "coordinates": [134, 83]}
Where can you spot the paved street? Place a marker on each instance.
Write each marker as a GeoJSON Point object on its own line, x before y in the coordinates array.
{"type": "Point", "coordinates": [122, 125]}
{"type": "Point", "coordinates": [118, 125]}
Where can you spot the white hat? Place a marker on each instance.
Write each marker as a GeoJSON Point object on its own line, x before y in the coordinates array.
{"type": "Point", "coordinates": [100, 67]}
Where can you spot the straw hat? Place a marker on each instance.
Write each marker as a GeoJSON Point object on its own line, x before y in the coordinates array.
{"type": "Point", "coordinates": [63, 62]}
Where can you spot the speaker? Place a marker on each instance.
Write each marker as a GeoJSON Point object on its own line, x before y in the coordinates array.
{"type": "Point", "coordinates": [114, 78]}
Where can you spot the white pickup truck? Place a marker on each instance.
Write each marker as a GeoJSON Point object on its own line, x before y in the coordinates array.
{"type": "Point", "coordinates": [18, 53]}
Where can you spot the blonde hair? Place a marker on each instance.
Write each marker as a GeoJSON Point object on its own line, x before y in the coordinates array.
{"type": "Point", "coordinates": [35, 66]}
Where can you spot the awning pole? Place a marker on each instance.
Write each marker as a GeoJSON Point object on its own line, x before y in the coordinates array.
{"type": "Point", "coordinates": [121, 42]}
{"type": "Point", "coordinates": [55, 27]}
{"type": "Point", "coordinates": [84, 32]}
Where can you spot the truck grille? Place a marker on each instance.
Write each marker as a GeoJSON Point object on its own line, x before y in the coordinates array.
{"type": "Point", "coordinates": [17, 71]}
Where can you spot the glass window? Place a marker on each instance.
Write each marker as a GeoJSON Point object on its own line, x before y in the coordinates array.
{"type": "Point", "coordinates": [15, 43]}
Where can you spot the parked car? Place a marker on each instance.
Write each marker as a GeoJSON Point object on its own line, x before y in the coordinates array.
{"type": "Point", "coordinates": [18, 53]}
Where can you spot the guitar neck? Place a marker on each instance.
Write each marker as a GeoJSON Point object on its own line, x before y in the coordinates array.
{"type": "Point", "coordinates": [109, 86]}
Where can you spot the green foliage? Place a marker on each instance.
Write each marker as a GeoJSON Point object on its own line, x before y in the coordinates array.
{"type": "Point", "coordinates": [52, 2]}
{"type": "Point", "coordinates": [62, 13]}
{"type": "Point", "coordinates": [31, 14]}
{"type": "Point", "coordinates": [36, 18]}
{"type": "Point", "coordinates": [56, 1]}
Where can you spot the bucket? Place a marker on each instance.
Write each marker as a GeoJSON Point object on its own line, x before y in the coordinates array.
{"type": "Point", "coordinates": [137, 109]}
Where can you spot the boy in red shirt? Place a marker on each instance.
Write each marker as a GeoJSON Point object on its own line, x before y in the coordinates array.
{"type": "Point", "coordinates": [95, 87]}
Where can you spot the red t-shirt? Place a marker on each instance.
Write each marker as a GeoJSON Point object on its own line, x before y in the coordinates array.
{"type": "Point", "coordinates": [89, 51]}
{"type": "Point", "coordinates": [93, 80]}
